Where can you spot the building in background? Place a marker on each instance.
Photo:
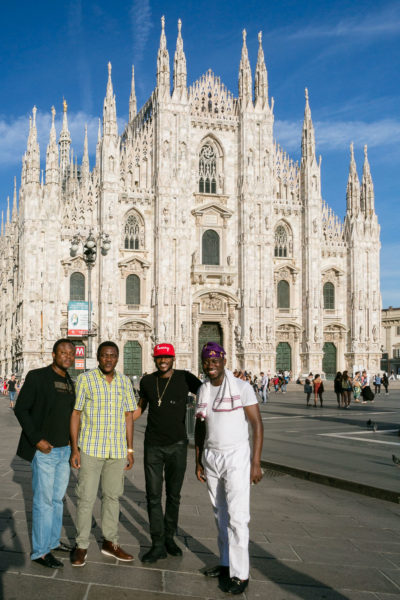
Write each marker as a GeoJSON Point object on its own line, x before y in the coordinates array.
{"type": "Point", "coordinates": [391, 340]}
{"type": "Point", "coordinates": [216, 234]}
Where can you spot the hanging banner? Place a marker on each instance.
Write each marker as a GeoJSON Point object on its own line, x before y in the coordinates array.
{"type": "Point", "coordinates": [77, 319]}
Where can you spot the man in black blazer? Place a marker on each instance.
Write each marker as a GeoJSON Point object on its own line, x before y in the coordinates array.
{"type": "Point", "coordinates": [44, 408]}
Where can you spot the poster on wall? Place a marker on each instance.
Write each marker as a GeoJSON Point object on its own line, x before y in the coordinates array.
{"type": "Point", "coordinates": [77, 319]}
{"type": "Point", "coordinates": [79, 357]}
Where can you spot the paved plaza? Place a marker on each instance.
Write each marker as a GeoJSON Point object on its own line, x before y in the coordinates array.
{"type": "Point", "coordinates": [308, 541]}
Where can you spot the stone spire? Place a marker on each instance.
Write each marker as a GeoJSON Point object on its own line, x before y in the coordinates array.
{"type": "Point", "coordinates": [163, 80]}
{"type": "Point", "coordinates": [33, 152]}
{"type": "Point", "coordinates": [14, 208]}
{"type": "Point", "coordinates": [245, 91]}
{"type": "Point", "coordinates": [8, 211]}
{"type": "Point", "coordinates": [353, 185]}
{"type": "Point", "coordinates": [98, 145]}
{"type": "Point", "coordinates": [132, 98]}
{"type": "Point", "coordinates": [64, 141]}
{"type": "Point", "coordinates": [261, 77]}
{"type": "Point", "coordinates": [52, 174]}
{"type": "Point", "coordinates": [110, 126]}
{"type": "Point", "coordinates": [85, 158]}
{"type": "Point", "coordinates": [2, 223]}
{"type": "Point", "coordinates": [308, 135]}
{"type": "Point", "coordinates": [367, 199]}
{"type": "Point", "coordinates": [180, 72]}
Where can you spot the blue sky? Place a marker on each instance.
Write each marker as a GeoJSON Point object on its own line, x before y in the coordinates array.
{"type": "Point", "coordinates": [347, 54]}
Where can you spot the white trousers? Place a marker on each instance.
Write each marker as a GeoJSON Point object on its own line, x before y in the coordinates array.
{"type": "Point", "coordinates": [228, 482]}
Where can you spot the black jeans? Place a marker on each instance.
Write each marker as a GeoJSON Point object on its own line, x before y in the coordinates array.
{"type": "Point", "coordinates": [169, 461]}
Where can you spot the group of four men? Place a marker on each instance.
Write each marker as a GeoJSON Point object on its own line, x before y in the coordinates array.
{"type": "Point", "coordinates": [92, 429]}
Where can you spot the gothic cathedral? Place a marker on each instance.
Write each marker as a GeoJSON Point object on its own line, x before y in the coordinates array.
{"type": "Point", "coordinates": [215, 234]}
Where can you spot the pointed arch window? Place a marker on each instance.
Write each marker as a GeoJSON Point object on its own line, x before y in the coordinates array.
{"type": "Point", "coordinates": [207, 170]}
{"type": "Point", "coordinates": [77, 287]}
{"type": "Point", "coordinates": [210, 247]}
{"type": "Point", "coordinates": [329, 296]}
{"type": "Point", "coordinates": [132, 289]}
{"type": "Point", "coordinates": [283, 294]}
{"type": "Point", "coordinates": [281, 242]}
{"type": "Point", "coordinates": [132, 233]}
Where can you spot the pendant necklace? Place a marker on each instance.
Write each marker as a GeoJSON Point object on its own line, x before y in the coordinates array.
{"type": "Point", "coordinates": [165, 389]}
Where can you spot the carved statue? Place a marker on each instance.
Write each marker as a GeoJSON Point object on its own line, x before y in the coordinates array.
{"type": "Point", "coordinates": [229, 260]}
{"type": "Point", "coordinates": [195, 257]}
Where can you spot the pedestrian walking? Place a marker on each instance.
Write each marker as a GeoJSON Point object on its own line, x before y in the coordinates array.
{"type": "Point", "coordinates": [264, 387]}
{"type": "Point", "coordinates": [318, 389]}
{"type": "Point", "coordinates": [337, 387]}
{"type": "Point", "coordinates": [347, 388]}
{"type": "Point", "coordinates": [224, 407]}
{"type": "Point", "coordinates": [44, 408]}
{"type": "Point", "coordinates": [12, 390]}
{"type": "Point", "coordinates": [366, 392]}
{"type": "Point", "coordinates": [308, 390]}
{"type": "Point", "coordinates": [357, 386]}
{"type": "Point", "coordinates": [165, 393]}
{"type": "Point", "coordinates": [377, 383]}
{"type": "Point", "coordinates": [102, 448]}
{"type": "Point", "coordinates": [385, 383]}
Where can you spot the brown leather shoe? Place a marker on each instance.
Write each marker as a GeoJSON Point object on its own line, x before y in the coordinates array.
{"type": "Point", "coordinates": [116, 551]}
{"type": "Point", "coordinates": [78, 557]}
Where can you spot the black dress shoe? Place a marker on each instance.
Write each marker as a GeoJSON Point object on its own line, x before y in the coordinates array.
{"type": "Point", "coordinates": [237, 586]}
{"type": "Point", "coordinates": [154, 554]}
{"type": "Point", "coordinates": [218, 571]}
{"type": "Point", "coordinates": [48, 560]}
{"type": "Point", "coordinates": [172, 548]}
{"type": "Point", "coordinates": [63, 547]}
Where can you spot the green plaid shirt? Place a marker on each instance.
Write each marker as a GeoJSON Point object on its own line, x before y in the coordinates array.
{"type": "Point", "coordinates": [103, 406]}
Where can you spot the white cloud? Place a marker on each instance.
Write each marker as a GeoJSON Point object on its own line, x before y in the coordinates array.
{"type": "Point", "coordinates": [140, 14]}
{"type": "Point", "coordinates": [14, 135]}
{"type": "Point", "coordinates": [335, 135]}
{"type": "Point", "coordinates": [381, 23]}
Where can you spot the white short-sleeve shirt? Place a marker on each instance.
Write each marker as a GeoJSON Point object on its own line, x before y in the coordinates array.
{"type": "Point", "coordinates": [228, 430]}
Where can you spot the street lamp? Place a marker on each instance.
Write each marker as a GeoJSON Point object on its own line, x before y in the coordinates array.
{"type": "Point", "coordinates": [89, 256]}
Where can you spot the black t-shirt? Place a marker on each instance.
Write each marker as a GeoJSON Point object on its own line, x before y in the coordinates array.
{"type": "Point", "coordinates": [166, 421]}
{"type": "Point", "coordinates": [11, 385]}
{"type": "Point", "coordinates": [56, 426]}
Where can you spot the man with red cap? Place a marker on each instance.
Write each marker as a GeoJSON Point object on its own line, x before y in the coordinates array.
{"type": "Point", "coordinates": [165, 392]}
{"type": "Point", "coordinates": [225, 406]}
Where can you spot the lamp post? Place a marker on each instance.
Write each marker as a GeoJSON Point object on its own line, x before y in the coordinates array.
{"type": "Point", "coordinates": [89, 256]}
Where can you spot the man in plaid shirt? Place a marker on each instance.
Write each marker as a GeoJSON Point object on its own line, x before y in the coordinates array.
{"type": "Point", "coordinates": [102, 447]}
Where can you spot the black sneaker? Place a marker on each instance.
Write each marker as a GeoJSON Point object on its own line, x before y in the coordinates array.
{"type": "Point", "coordinates": [237, 586]}
{"type": "Point", "coordinates": [48, 561]}
{"type": "Point", "coordinates": [154, 554]}
{"type": "Point", "coordinates": [218, 571]}
{"type": "Point", "coordinates": [172, 548]}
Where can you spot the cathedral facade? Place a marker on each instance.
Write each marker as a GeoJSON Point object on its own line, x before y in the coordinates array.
{"type": "Point", "coordinates": [215, 234]}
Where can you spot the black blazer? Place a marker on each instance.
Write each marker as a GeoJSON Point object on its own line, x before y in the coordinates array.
{"type": "Point", "coordinates": [32, 409]}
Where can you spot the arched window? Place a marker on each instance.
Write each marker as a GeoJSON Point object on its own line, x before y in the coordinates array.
{"type": "Point", "coordinates": [329, 296]}
{"type": "Point", "coordinates": [210, 248]}
{"type": "Point", "coordinates": [77, 287]}
{"type": "Point", "coordinates": [132, 233]}
{"type": "Point", "coordinates": [132, 289]}
{"type": "Point", "coordinates": [283, 294]}
{"type": "Point", "coordinates": [281, 241]}
{"type": "Point", "coordinates": [207, 170]}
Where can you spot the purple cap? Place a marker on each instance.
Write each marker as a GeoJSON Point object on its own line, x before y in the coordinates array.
{"type": "Point", "coordinates": [212, 350]}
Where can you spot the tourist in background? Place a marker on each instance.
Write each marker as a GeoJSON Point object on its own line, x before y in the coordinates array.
{"type": "Point", "coordinates": [337, 387]}
{"type": "Point", "coordinates": [357, 386]}
{"type": "Point", "coordinates": [308, 390]}
{"type": "Point", "coordinates": [347, 388]}
{"type": "Point", "coordinates": [377, 383]}
{"type": "Point", "coordinates": [318, 389]}
{"type": "Point", "coordinates": [385, 383]}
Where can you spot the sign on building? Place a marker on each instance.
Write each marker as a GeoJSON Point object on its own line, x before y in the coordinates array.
{"type": "Point", "coordinates": [77, 319]}
{"type": "Point", "coordinates": [80, 357]}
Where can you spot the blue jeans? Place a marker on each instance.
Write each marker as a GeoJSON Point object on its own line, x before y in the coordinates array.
{"type": "Point", "coordinates": [50, 477]}
{"type": "Point", "coordinates": [265, 394]}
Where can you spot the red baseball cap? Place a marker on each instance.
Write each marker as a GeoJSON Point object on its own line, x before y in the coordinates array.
{"type": "Point", "coordinates": [163, 350]}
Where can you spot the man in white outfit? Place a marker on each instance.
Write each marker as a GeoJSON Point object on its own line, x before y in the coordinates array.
{"type": "Point", "coordinates": [264, 387]}
{"type": "Point", "coordinates": [224, 407]}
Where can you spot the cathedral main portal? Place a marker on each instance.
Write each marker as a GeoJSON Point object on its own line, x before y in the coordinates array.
{"type": "Point", "coordinates": [209, 332]}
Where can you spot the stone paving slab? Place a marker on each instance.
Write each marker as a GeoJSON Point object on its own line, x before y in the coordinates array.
{"type": "Point", "coordinates": [307, 542]}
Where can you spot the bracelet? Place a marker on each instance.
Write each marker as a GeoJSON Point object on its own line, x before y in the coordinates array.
{"type": "Point", "coordinates": [130, 450]}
